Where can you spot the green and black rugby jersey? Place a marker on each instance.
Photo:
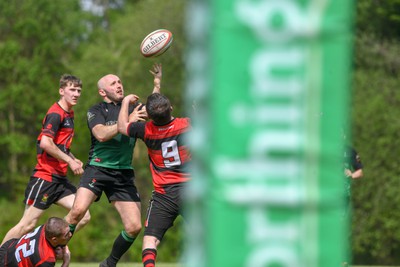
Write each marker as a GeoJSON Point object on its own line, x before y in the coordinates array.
{"type": "Point", "coordinates": [115, 153]}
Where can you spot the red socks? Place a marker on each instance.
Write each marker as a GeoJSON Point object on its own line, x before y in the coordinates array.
{"type": "Point", "coordinates": [149, 257]}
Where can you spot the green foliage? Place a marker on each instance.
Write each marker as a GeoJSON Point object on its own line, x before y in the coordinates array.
{"type": "Point", "coordinates": [376, 98]}
{"type": "Point", "coordinates": [32, 51]}
{"type": "Point", "coordinates": [380, 17]}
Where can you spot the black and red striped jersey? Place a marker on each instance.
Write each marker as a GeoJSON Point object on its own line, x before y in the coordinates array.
{"type": "Point", "coordinates": [167, 149]}
{"type": "Point", "coordinates": [31, 250]}
{"type": "Point", "coordinates": [59, 125]}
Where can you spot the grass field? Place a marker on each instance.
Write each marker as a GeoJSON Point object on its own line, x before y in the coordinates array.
{"type": "Point", "coordinates": [127, 264]}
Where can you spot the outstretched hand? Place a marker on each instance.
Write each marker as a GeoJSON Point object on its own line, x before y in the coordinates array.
{"type": "Point", "coordinates": [157, 71]}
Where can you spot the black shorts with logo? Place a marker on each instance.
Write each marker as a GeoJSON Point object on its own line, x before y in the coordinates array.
{"type": "Point", "coordinates": [42, 194]}
{"type": "Point", "coordinates": [163, 209]}
{"type": "Point", "coordinates": [118, 185]}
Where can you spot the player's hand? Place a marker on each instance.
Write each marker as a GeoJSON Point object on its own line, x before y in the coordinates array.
{"type": "Point", "coordinates": [132, 99]}
{"type": "Point", "coordinates": [76, 166]}
{"type": "Point", "coordinates": [138, 114]}
{"type": "Point", "coordinates": [63, 253]}
{"type": "Point", "coordinates": [79, 162]}
{"type": "Point", "coordinates": [67, 254]}
{"type": "Point", "coordinates": [59, 253]}
{"type": "Point", "coordinates": [348, 173]}
{"type": "Point", "coordinates": [157, 71]}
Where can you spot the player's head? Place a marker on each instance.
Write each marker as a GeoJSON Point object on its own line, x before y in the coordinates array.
{"type": "Point", "coordinates": [70, 80]}
{"type": "Point", "coordinates": [111, 88]}
{"type": "Point", "coordinates": [159, 108]}
{"type": "Point", "coordinates": [57, 231]}
{"type": "Point", "coordinates": [70, 90]}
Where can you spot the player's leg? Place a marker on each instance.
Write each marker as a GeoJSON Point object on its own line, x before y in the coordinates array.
{"type": "Point", "coordinates": [131, 219]}
{"type": "Point", "coordinates": [130, 216]}
{"type": "Point", "coordinates": [39, 196]}
{"type": "Point", "coordinates": [123, 195]}
{"type": "Point", "coordinates": [89, 190]}
{"type": "Point", "coordinates": [25, 225]}
{"type": "Point", "coordinates": [161, 214]}
{"type": "Point", "coordinates": [78, 205]}
{"type": "Point", "coordinates": [149, 250]}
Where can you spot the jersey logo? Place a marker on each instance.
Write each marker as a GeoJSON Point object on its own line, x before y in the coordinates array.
{"type": "Point", "coordinates": [67, 123]}
{"type": "Point", "coordinates": [165, 128]}
{"type": "Point", "coordinates": [90, 116]}
{"type": "Point", "coordinates": [110, 123]}
{"type": "Point", "coordinates": [44, 199]}
{"type": "Point", "coordinates": [92, 183]}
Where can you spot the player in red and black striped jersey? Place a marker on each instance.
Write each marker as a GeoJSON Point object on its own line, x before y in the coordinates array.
{"type": "Point", "coordinates": [49, 183]}
{"type": "Point", "coordinates": [169, 156]}
{"type": "Point", "coordinates": [40, 248]}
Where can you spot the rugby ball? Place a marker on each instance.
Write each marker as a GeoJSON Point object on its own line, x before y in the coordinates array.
{"type": "Point", "coordinates": [156, 43]}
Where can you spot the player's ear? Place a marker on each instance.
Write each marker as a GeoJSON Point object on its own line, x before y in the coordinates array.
{"type": "Point", "coordinates": [102, 92]}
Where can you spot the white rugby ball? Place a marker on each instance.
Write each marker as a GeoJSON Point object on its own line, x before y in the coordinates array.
{"type": "Point", "coordinates": [156, 43]}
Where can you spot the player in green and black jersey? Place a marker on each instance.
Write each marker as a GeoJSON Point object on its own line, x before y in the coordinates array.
{"type": "Point", "coordinates": [109, 168]}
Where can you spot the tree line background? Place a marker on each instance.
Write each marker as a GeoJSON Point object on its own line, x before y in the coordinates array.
{"type": "Point", "coordinates": [40, 40]}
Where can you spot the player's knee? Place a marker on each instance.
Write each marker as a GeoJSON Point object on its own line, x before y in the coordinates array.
{"type": "Point", "coordinates": [134, 229]}
{"type": "Point", "coordinates": [77, 214]}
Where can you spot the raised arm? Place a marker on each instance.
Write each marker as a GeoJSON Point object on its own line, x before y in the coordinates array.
{"type": "Point", "coordinates": [157, 73]}
{"type": "Point", "coordinates": [124, 118]}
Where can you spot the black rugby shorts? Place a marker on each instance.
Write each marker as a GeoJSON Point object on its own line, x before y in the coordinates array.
{"type": "Point", "coordinates": [118, 185]}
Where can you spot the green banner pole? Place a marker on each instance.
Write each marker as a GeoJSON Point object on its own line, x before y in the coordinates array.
{"type": "Point", "coordinates": [270, 82]}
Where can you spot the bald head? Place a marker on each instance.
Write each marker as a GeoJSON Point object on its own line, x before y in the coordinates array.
{"type": "Point", "coordinates": [111, 88]}
{"type": "Point", "coordinates": [102, 83]}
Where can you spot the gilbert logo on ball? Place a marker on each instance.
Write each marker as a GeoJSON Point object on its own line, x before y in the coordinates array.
{"type": "Point", "coordinates": [156, 43]}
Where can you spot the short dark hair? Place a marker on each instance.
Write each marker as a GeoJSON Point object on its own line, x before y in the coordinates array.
{"type": "Point", "coordinates": [67, 79]}
{"type": "Point", "coordinates": [158, 108]}
{"type": "Point", "coordinates": [55, 227]}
